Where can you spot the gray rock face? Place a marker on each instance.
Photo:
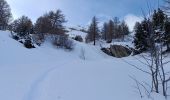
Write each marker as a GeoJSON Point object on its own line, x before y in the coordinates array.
{"type": "Point", "coordinates": [107, 51]}
{"type": "Point", "coordinates": [117, 51]}
{"type": "Point", "coordinates": [120, 51]}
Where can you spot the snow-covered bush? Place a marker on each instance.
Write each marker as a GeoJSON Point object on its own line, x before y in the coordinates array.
{"type": "Point", "coordinates": [69, 44]}
{"type": "Point", "coordinates": [62, 41]}
{"type": "Point", "coordinates": [38, 38]}
{"type": "Point", "coordinates": [28, 44]}
{"type": "Point", "coordinates": [22, 30]}
{"type": "Point", "coordinates": [14, 36]}
{"type": "Point", "coordinates": [27, 41]}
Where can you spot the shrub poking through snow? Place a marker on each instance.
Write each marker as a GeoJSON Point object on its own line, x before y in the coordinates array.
{"type": "Point", "coordinates": [28, 44]}
{"type": "Point", "coordinates": [15, 37]}
{"type": "Point", "coordinates": [69, 44]}
{"type": "Point", "coordinates": [38, 39]}
{"type": "Point", "coordinates": [26, 41]}
{"type": "Point", "coordinates": [78, 38]}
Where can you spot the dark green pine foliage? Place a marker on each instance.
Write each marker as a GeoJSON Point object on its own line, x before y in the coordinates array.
{"type": "Point", "coordinates": [142, 35]}
{"type": "Point", "coordinates": [162, 27]}
{"type": "Point", "coordinates": [158, 20]}
{"type": "Point", "coordinates": [124, 28]}
{"type": "Point", "coordinates": [149, 32]}
{"type": "Point", "coordinates": [167, 34]}
{"type": "Point", "coordinates": [138, 39]}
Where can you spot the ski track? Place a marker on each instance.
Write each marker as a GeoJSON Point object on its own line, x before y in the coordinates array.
{"type": "Point", "coordinates": [34, 87]}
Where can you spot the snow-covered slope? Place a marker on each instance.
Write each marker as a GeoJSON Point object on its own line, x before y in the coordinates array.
{"type": "Point", "coordinates": [48, 73]}
{"type": "Point", "coordinates": [77, 32]}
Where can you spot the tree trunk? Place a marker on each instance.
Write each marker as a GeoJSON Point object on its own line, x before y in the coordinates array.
{"type": "Point", "coordinates": [168, 48]}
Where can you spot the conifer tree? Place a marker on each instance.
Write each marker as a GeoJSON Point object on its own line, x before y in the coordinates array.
{"type": "Point", "coordinates": [124, 28]}
{"type": "Point", "coordinates": [51, 23]}
{"type": "Point", "coordinates": [5, 14]}
{"type": "Point", "coordinates": [139, 38]}
{"type": "Point", "coordinates": [110, 30]}
{"type": "Point", "coordinates": [105, 31]}
{"type": "Point", "coordinates": [167, 34]}
{"type": "Point", "coordinates": [142, 35]}
{"type": "Point", "coordinates": [93, 31]}
{"type": "Point", "coordinates": [158, 20]}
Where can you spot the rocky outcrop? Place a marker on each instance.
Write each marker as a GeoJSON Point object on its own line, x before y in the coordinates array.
{"type": "Point", "coordinates": [107, 51]}
{"type": "Point", "coordinates": [117, 51]}
{"type": "Point", "coordinates": [120, 51]}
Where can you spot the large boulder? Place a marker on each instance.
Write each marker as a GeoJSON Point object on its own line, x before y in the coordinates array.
{"type": "Point", "coordinates": [117, 51]}
{"type": "Point", "coordinates": [120, 51]}
{"type": "Point", "coordinates": [107, 51]}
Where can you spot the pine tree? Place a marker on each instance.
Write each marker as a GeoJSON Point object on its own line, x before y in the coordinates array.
{"type": "Point", "coordinates": [51, 23]}
{"type": "Point", "coordinates": [111, 30]}
{"type": "Point", "coordinates": [139, 38]}
{"type": "Point", "coordinates": [155, 31]}
{"type": "Point", "coordinates": [124, 28]}
{"type": "Point", "coordinates": [116, 27]}
{"type": "Point", "coordinates": [114, 30]}
{"type": "Point", "coordinates": [142, 35]}
{"type": "Point", "coordinates": [158, 20]}
{"type": "Point", "coordinates": [42, 25]}
{"type": "Point", "coordinates": [93, 31]}
{"type": "Point", "coordinates": [5, 14]}
{"type": "Point", "coordinates": [161, 27]}
{"type": "Point", "coordinates": [57, 19]}
{"type": "Point", "coordinates": [167, 34]}
{"type": "Point", "coordinates": [105, 31]}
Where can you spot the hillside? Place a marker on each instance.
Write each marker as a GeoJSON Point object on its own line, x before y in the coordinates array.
{"type": "Point", "coordinates": [49, 73]}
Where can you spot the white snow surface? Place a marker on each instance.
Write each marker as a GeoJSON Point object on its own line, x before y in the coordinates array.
{"type": "Point", "coordinates": [74, 33]}
{"type": "Point", "coordinates": [49, 73]}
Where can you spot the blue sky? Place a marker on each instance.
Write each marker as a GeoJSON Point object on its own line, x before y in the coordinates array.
{"type": "Point", "coordinates": [80, 12]}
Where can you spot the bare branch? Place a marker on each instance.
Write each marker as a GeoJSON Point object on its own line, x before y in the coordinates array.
{"type": "Point", "coordinates": [137, 67]}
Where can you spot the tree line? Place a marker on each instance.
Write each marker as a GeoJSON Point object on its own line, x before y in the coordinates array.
{"type": "Point", "coordinates": [113, 29]}
{"type": "Point", "coordinates": [51, 23]}
{"type": "Point", "coordinates": [155, 29]}
{"type": "Point", "coordinates": [48, 25]}
{"type": "Point", "coordinates": [152, 35]}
